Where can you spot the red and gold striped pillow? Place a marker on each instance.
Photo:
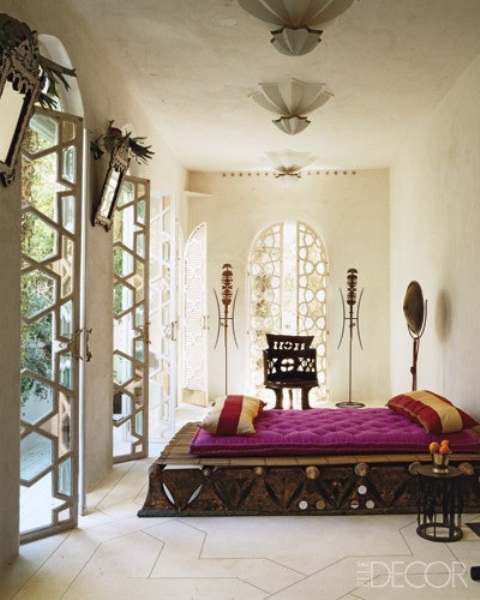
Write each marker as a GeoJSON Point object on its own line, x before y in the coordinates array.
{"type": "Point", "coordinates": [435, 413]}
{"type": "Point", "coordinates": [233, 415]}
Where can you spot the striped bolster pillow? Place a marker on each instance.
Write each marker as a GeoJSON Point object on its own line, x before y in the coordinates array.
{"type": "Point", "coordinates": [435, 413]}
{"type": "Point", "coordinates": [233, 415]}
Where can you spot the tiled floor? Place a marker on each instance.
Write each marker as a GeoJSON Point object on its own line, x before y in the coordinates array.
{"type": "Point", "coordinates": [115, 554]}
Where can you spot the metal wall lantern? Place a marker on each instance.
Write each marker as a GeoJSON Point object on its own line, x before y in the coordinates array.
{"type": "Point", "coordinates": [121, 148]}
{"type": "Point", "coordinates": [112, 184]}
{"type": "Point", "coordinates": [20, 85]}
{"type": "Point", "coordinates": [296, 22]}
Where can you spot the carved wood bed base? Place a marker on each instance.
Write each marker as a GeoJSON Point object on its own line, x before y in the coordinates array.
{"type": "Point", "coordinates": [184, 485]}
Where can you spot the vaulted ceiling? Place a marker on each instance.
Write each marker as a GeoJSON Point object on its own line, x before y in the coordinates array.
{"type": "Point", "coordinates": [193, 65]}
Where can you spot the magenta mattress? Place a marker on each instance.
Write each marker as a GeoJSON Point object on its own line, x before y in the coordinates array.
{"type": "Point", "coordinates": [329, 431]}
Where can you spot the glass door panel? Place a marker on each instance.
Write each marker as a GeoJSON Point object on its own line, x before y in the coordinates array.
{"type": "Point", "coordinates": [163, 320]}
{"type": "Point", "coordinates": [131, 333]}
{"type": "Point", "coordinates": [50, 244]}
{"type": "Point", "coordinates": [194, 372]}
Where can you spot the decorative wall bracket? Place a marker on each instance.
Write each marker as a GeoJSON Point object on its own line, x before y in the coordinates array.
{"type": "Point", "coordinates": [114, 137]}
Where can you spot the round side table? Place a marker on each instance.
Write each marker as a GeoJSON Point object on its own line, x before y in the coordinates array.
{"type": "Point", "coordinates": [440, 504]}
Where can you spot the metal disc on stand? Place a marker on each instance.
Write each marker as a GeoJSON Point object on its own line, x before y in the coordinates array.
{"type": "Point", "coordinates": [415, 311]}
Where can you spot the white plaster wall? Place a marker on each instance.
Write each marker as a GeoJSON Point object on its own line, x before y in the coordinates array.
{"type": "Point", "coordinates": [435, 219]}
{"type": "Point", "coordinates": [350, 212]}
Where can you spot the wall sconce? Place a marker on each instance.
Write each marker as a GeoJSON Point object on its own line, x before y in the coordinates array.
{"type": "Point", "coordinates": [292, 100]}
{"type": "Point", "coordinates": [23, 75]}
{"type": "Point", "coordinates": [120, 147]}
{"type": "Point", "coordinates": [296, 21]}
{"type": "Point", "coordinates": [112, 184]}
{"type": "Point", "coordinates": [288, 165]}
{"type": "Point", "coordinates": [20, 85]}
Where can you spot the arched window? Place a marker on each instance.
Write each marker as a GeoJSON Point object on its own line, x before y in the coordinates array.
{"type": "Point", "coordinates": [287, 275]}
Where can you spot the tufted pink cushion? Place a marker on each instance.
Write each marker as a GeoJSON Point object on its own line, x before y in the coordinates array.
{"type": "Point", "coordinates": [329, 431]}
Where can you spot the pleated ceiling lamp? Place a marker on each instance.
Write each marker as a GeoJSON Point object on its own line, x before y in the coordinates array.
{"type": "Point", "coordinates": [288, 165]}
{"type": "Point", "coordinates": [292, 101]}
{"type": "Point", "coordinates": [296, 22]}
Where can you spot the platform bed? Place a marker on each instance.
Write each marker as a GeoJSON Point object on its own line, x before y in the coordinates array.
{"type": "Point", "coordinates": [278, 482]}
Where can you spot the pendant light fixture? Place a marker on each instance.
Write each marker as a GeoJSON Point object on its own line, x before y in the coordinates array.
{"type": "Point", "coordinates": [296, 22]}
{"type": "Point", "coordinates": [288, 165]}
{"type": "Point", "coordinates": [292, 100]}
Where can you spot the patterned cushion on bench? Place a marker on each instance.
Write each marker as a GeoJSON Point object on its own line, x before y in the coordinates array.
{"type": "Point", "coordinates": [435, 413]}
{"type": "Point", "coordinates": [233, 415]}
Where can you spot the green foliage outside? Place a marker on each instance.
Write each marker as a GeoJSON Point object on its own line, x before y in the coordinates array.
{"type": "Point", "coordinates": [37, 290]}
{"type": "Point", "coordinates": [117, 261]}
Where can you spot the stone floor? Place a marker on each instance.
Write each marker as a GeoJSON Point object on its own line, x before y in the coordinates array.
{"type": "Point", "coordinates": [115, 554]}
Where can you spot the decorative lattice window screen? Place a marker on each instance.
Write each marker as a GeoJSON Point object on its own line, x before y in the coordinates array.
{"type": "Point", "coordinates": [287, 272]}
{"type": "Point", "coordinates": [194, 351]}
